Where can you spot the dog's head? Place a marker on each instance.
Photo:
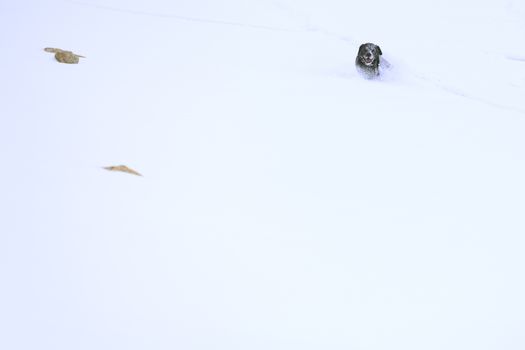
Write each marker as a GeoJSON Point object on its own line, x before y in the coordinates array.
{"type": "Point", "coordinates": [368, 54]}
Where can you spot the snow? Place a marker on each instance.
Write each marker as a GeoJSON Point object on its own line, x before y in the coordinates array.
{"type": "Point", "coordinates": [286, 202]}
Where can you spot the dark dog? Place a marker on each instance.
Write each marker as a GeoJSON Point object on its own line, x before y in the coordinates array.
{"type": "Point", "coordinates": [368, 60]}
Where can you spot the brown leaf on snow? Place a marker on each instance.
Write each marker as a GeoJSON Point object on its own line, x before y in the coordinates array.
{"type": "Point", "coordinates": [122, 168]}
{"type": "Point", "coordinates": [64, 56]}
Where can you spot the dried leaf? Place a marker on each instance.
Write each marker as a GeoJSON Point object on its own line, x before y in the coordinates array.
{"type": "Point", "coordinates": [64, 56]}
{"type": "Point", "coordinates": [122, 168]}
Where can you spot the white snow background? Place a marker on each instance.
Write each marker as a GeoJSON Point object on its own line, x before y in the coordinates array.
{"type": "Point", "coordinates": [286, 202]}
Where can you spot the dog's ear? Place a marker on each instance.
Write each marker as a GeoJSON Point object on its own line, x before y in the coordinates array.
{"type": "Point", "coordinates": [362, 47]}
{"type": "Point", "coordinates": [379, 50]}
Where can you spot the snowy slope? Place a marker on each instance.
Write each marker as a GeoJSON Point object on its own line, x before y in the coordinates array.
{"type": "Point", "coordinates": [286, 203]}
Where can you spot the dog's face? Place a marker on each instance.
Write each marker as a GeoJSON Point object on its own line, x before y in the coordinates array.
{"type": "Point", "coordinates": [368, 54]}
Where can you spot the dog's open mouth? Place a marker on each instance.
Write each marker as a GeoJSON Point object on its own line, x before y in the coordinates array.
{"type": "Point", "coordinates": [368, 61]}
